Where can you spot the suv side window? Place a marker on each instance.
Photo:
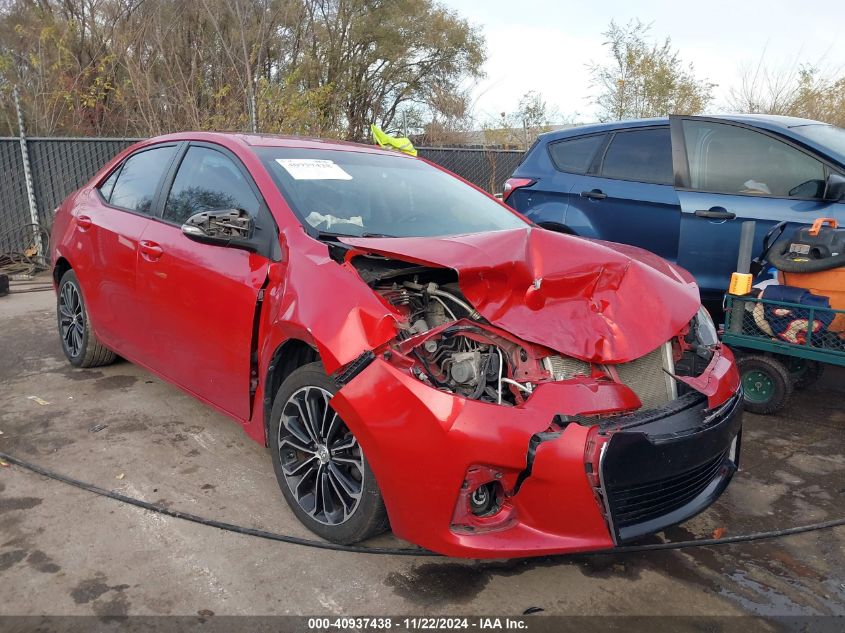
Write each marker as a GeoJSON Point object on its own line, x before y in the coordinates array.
{"type": "Point", "coordinates": [138, 179]}
{"type": "Point", "coordinates": [575, 155]}
{"type": "Point", "coordinates": [640, 155]}
{"type": "Point", "coordinates": [208, 180]}
{"type": "Point", "coordinates": [731, 159]}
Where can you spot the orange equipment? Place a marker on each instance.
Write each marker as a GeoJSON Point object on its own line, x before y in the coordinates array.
{"type": "Point", "coordinates": [814, 258]}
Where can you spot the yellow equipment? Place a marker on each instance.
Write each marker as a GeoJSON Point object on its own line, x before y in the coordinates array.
{"type": "Point", "coordinates": [386, 141]}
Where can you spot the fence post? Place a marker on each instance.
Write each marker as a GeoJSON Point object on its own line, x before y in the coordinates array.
{"type": "Point", "coordinates": [27, 174]}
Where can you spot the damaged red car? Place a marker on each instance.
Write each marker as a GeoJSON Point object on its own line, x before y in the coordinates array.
{"type": "Point", "coordinates": [416, 355]}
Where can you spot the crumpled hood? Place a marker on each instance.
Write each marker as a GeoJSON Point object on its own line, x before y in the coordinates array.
{"type": "Point", "coordinates": [597, 301]}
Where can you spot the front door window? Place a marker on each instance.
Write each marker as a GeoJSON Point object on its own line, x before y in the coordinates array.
{"type": "Point", "coordinates": [731, 159]}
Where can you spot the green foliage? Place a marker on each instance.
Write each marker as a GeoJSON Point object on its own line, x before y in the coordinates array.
{"type": "Point", "coordinates": [645, 79]}
{"type": "Point", "coordinates": [818, 97]}
{"type": "Point", "coordinates": [286, 108]}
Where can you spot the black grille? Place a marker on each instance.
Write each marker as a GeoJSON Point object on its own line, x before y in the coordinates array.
{"type": "Point", "coordinates": [632, 505]}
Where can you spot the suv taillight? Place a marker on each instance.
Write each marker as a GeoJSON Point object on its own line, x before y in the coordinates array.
{"type": "Point", "coordinates": [512, 184]}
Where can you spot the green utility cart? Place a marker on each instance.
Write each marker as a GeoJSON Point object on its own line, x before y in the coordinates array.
{"type": "Point", "coordinates": [773, 364]}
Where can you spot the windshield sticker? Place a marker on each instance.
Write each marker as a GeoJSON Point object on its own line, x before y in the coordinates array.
{"type": "Point", "coordinates": [313, 169]}
{"type": "Point", "coordinates": [328, 222]}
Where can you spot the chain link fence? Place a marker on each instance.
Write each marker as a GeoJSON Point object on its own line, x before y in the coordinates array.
{"type": "Point", "coordinates": [484, 167]}
{"type": "Point", "coordinates": [13, 197]}
{"type": "Point", "coordinates": [60, 165]}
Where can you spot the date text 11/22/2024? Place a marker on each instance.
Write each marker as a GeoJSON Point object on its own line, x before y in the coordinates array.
{"type": "Point", "coordinates": [417, 623]}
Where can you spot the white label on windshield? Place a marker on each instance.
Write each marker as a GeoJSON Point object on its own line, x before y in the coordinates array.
{"type": "Point", "coordinates": [313, 169]}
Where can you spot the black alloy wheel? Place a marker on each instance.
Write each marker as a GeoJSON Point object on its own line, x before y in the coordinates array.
{"type": "Point", "coordinates": [320, 466]}
{"type": "Point", "coordinates": [79, 343]}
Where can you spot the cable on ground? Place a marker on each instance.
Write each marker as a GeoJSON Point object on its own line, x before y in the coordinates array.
{"type": "Point", "coordinates": [398, 551]}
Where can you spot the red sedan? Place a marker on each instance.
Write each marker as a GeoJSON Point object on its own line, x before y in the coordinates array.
{"type": "Point", "coordinates": [415, 354]}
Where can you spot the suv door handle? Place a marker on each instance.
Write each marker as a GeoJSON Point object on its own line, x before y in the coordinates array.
{"type": "Point", "coordinates": [715, 213]}
{"type": "Point", "coordinates": [150, 250]}
{"type": "Point", "coordinates": [83, 222]}
{"type": "Point", "coordinates": [594, 194]}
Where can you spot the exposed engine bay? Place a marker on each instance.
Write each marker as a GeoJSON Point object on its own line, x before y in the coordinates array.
{"type": "Point", "coordinates": [513, 363]}
{"type": "Point", "coordinates": [443, 341]}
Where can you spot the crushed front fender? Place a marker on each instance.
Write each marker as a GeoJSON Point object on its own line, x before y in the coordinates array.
{"type": "Point", "coordinates": [426, 447]}
{"type": "Point", "coordinates": [421, 443]}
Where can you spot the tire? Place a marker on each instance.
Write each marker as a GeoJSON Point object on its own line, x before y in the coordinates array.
{"type": "Point", "coordinates": [766, 383]}
{"type": "Point", "coordinates": [79, 343]}
{"type": "Point", "coordinates": [347, 507]}
{"type": "Point", "coordinates": [557, 228]}
{"type": "Point", "coordinates": [804, 372]}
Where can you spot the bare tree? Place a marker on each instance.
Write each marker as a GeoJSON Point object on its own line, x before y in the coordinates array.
{"type": "Point", "coordinates": [308, 66]}
{"type": "Point", "coordinates": [645, 79]}
{"type": "Point", "coordinates": [800, 90]}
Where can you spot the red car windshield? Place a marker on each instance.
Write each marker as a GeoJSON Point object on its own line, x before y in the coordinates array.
{"type": "Point", "coordinates": [363, 194]}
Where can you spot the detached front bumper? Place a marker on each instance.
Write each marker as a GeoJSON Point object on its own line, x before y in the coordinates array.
{"type": "Point", "coordinates": [563, 491]}
{"type": "Point", "coordinates": [670, 467]}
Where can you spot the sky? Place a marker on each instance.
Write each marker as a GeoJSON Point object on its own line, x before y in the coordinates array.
{"type": "Point", "coordinates": [545, 45]}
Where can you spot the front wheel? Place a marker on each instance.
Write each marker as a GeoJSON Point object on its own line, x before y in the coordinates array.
{"type": "Point", "coordinates": [320, 467]}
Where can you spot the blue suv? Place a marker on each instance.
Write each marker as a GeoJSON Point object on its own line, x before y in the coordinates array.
{"type": "Point", "coordinates": [681, 186]}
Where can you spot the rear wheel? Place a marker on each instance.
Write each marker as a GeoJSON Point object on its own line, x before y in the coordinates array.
{"type": "Point", "coordinates": [804, 372]}
{"type": "Point", "coordinates": [79, 342]}
{"type": "Point", "coordinates": [765, 382]}
{"type": "Point", "coordinates": [319, 464]}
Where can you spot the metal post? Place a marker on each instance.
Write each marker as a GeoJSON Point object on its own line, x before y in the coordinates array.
{"type": "Point", "coordinates": [253, 116]}
{"type": "Point", "coordinates": [27, 174]}
{"type": "Point", "coordinates": [746, 246]}
{"type": "Point", "coordinates": [743, 265]}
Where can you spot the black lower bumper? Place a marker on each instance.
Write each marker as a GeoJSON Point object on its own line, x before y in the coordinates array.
{"type": "Point", "coordinates": [667, 468]}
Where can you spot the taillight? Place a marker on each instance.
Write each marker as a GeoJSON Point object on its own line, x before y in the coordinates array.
{"type": "Point", "coordinates": [512, 184]}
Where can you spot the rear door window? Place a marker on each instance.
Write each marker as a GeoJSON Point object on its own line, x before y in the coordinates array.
{"type": "Point", "coordinates": [139, 178]}
{"type": "Point", "coordinates": [731, 159]}
{"type": "Point", "coordinates": [208, 180]}
{"type": "Point", "coordinates": [640, 155]}
{"type": "Point", "coordinates": [108, 185]}
{"type": "Point", "coordinates": [575, 155]}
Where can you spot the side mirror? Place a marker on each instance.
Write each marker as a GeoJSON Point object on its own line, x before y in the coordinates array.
{"type": "Point", "coordinates": [225, 227]}
{"type": "Point", "coordinates": [834, 188]}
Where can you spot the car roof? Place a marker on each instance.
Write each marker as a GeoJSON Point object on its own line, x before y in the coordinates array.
{"type": "Point", "coordinates": [765, 121]}
{"type": "Point", "coordinates": [273, 140]}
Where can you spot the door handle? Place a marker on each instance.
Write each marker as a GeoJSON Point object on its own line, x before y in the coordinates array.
{"type": "Point", "coordinates": [150, 250]}
{"type": "Point", "coordinates": [715, 213]}
{"type": "Point", "coordinates": [83, 222]}
{"type": "Point", "coordinates": [594, 194]}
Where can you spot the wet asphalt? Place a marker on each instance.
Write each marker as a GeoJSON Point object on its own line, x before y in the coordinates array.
{"type": "Point", "coordinates": [65, 551]}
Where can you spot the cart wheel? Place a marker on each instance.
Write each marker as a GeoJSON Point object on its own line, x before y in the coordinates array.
{"type": "Point", "coordinates": [804, 372]}
{"type": "Point", "coordinates": [766, 383]}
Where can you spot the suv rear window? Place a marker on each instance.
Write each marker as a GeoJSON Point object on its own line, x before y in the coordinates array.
{"type": "Point", "coordinates": [575, 155]}
{"type": "Point", "coordinates": [640, 155]}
